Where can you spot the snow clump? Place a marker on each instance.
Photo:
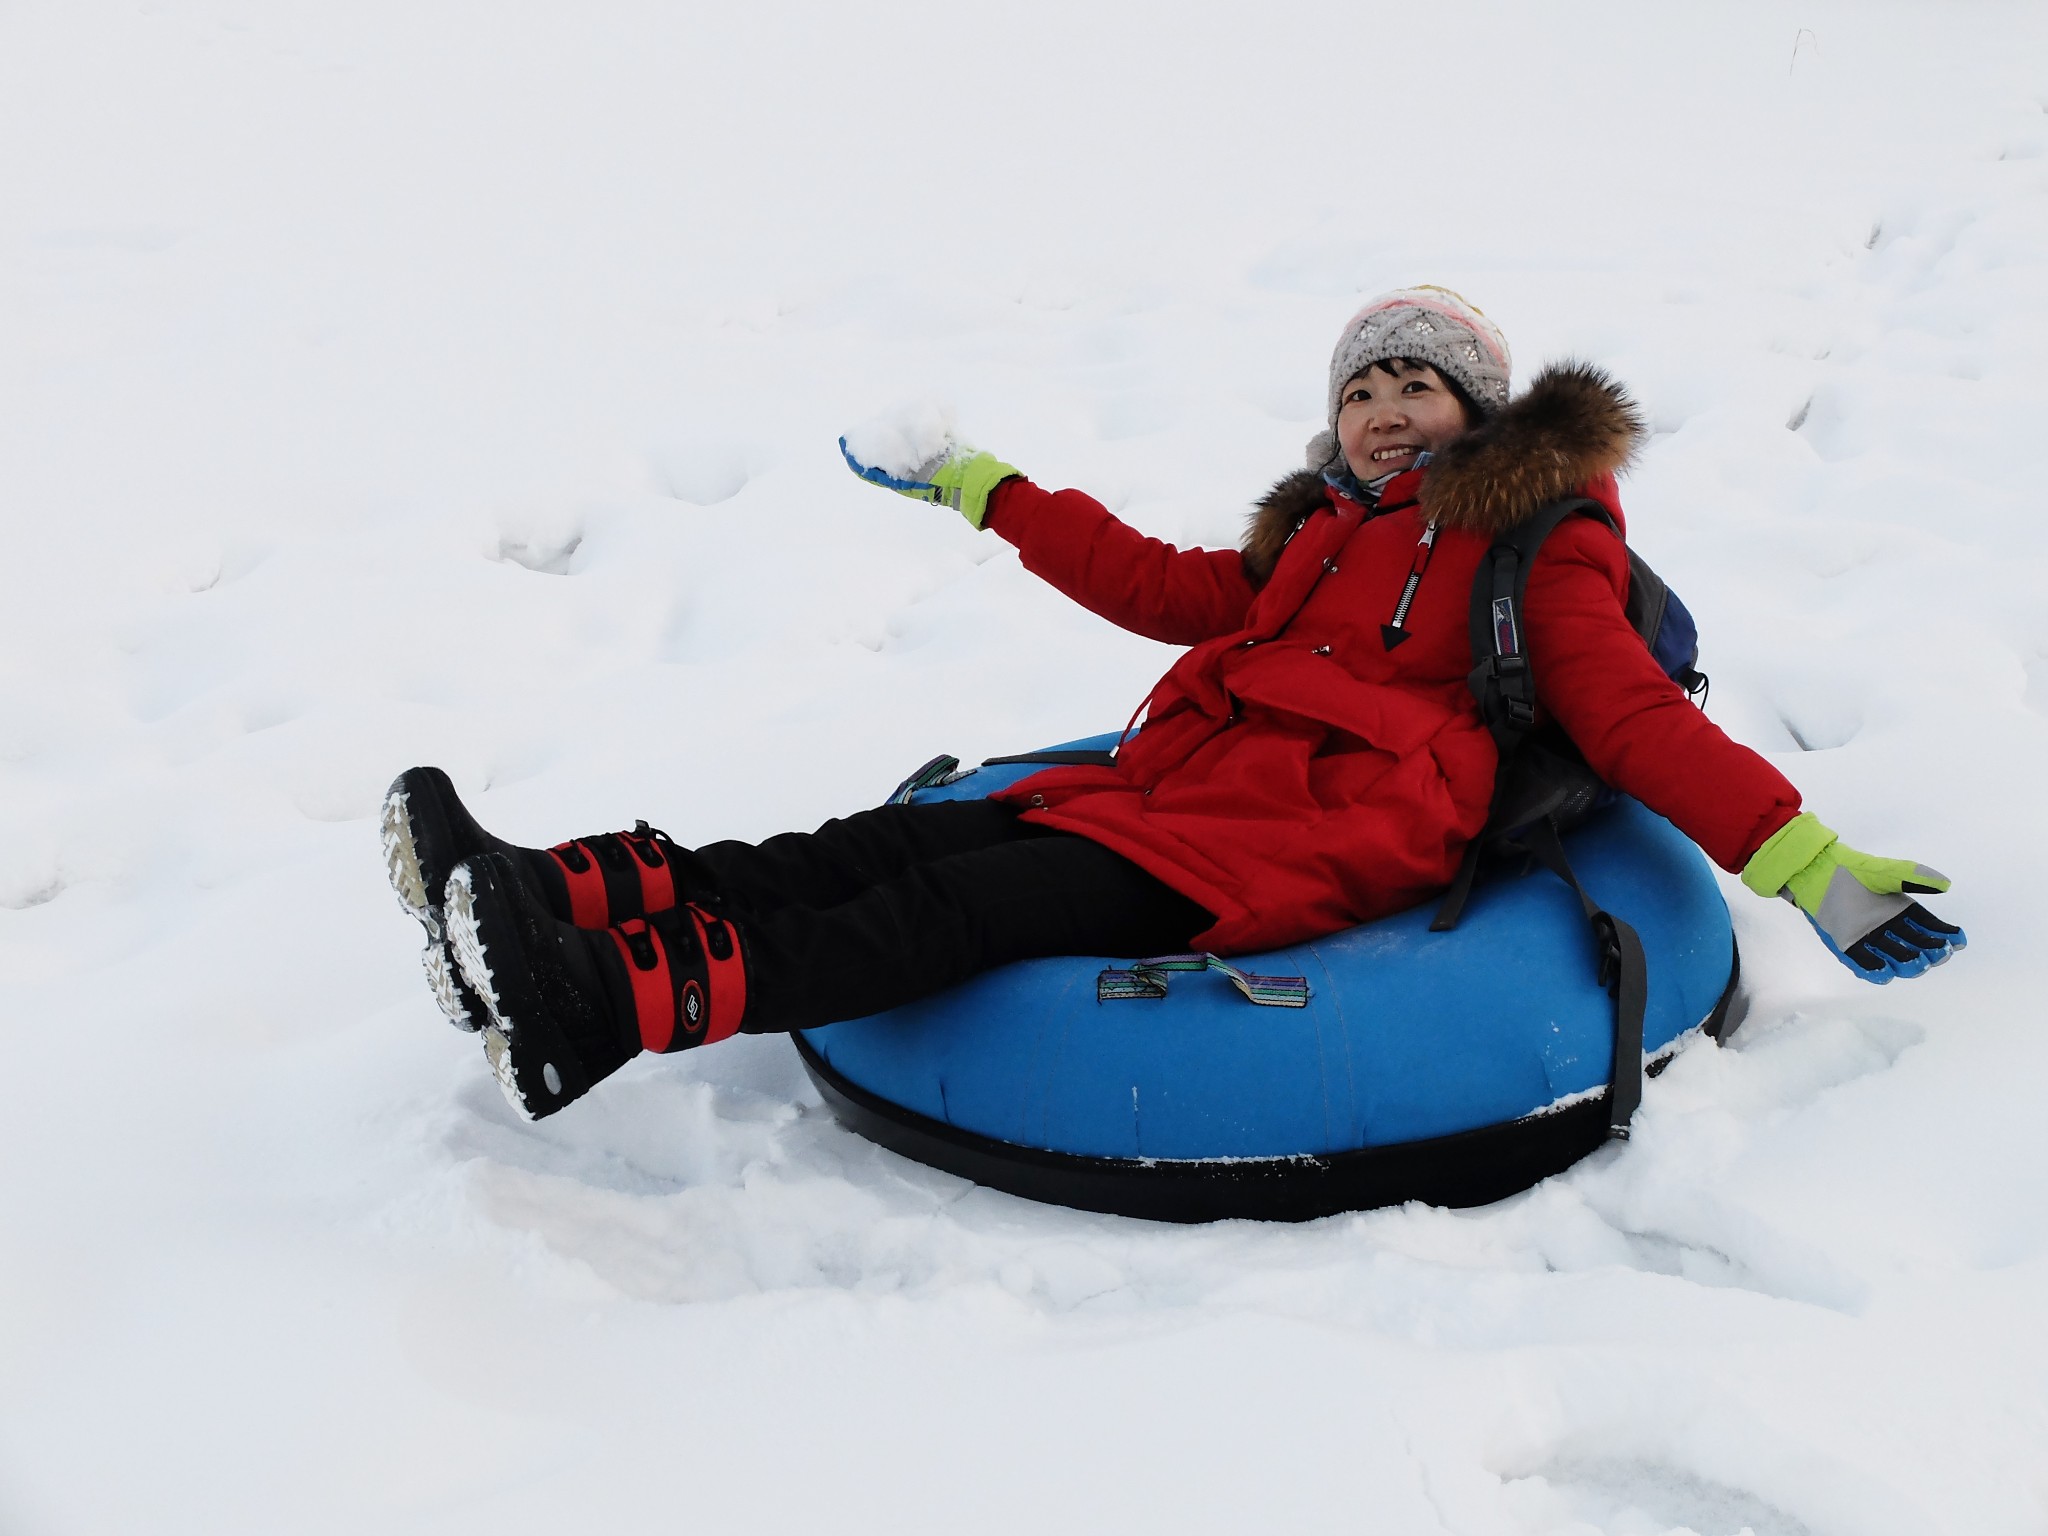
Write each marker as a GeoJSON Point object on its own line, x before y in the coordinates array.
{"type": "Point", "coordinates": [908, 441]}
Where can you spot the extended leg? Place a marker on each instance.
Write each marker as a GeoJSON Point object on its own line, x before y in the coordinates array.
{"type": "Point", "coordinates": [850, 854]}
{"type": "Point", "coordinates": [569, 1006]}
{"type": "Point", "coordinates": [937, 923]}
{"type": "Point", "coordinates": [604, 879]}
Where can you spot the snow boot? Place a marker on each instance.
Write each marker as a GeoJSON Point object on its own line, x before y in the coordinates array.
{"type": "Point", "coordinates": [565, 1007]}
{"type": "Point", "coordinates": [592, 882]}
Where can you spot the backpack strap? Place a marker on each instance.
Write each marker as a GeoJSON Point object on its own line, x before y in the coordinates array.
{"type": "Point", "coordinates": [1506, 690]}
{"type": "Point", "coordinates": [1500, 678]}
{"type": "Point", "coordinates": [1452, 907]}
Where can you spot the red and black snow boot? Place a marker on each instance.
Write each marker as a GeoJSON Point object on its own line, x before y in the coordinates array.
{"type": "Point", "coordinates": [592, 882]}
{"type": "Point", "coordinates": [565, 1006]}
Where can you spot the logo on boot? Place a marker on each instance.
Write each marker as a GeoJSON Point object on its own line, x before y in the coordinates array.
{"type": "Point", "coordinates": [693, 1006]}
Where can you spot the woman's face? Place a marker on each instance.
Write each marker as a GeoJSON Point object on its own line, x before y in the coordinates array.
{"type": "Point", "coordinates": [1384, 419]}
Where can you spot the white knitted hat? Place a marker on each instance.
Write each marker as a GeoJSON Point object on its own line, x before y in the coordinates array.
{"type": "Point", "coordinates": [1431, 325]}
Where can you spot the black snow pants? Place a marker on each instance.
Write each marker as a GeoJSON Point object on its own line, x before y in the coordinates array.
{"type": "Point", "coordinates": [895, 903]}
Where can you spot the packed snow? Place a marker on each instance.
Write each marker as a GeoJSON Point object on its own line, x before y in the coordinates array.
{"type": "Point", "coordinates": [905, 441]}
{"type": "Point", "coordinates": [461, 383]}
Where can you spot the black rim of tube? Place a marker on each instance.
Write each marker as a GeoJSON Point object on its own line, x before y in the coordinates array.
{"type": "Point", "coordinates": [1470, 1168]}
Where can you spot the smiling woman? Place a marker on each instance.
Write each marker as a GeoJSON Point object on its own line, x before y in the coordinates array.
{"type": "Point", "coordinates": [1316, 760]}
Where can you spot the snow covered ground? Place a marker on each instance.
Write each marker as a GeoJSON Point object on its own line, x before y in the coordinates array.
{"type": "Point", "coordinates": [458, 382]}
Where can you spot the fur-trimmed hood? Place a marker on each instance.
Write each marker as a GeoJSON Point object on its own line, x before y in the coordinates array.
{"type": "Point", "coordinates": [1572, 424]}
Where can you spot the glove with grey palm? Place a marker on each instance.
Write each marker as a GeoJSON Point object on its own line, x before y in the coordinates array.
{"type": "Point", "coordinates": [1862, 907]}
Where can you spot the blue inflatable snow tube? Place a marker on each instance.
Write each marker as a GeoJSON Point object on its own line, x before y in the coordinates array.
{"type": "Point", "coordinates": [1455, 1068]}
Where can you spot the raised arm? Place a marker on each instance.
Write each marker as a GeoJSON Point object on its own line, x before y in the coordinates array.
{"type": "Point", "coordinates": [1141, 584]}
{"type": "Point", "coordinates": [1180, 596]}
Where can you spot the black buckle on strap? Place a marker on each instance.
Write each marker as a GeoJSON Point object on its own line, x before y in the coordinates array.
{"type": "Point", "coordinates": [1607, 968]}
{"type": "Point", "coordinates": [1513, 686]}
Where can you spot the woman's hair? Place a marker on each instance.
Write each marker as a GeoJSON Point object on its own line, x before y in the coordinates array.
{"type": "Point", "coordinates": [1416, 365]}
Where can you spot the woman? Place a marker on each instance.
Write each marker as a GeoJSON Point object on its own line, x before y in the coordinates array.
{"type": "Point", "coordinates": [1315, 760]}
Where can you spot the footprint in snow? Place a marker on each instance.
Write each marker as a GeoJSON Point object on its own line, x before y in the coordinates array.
{"type": "Point", "coordinates": [700, 473]}
{"type": "Point", "coordinates": [1652, 1497]}
{"type": "Point", "coordinates": [550, 556]}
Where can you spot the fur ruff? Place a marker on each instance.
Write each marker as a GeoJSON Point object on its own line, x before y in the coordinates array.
{"type": "Point", "coordinates": [1572, 424]}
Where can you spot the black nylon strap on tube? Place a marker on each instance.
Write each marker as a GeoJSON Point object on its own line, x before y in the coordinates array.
{"type": "Point", "coordinates": [1624, 971]}
{"type": "Point", "coordinates": [1069, 757]}
{"type": "Point", "coordinates": [1631, 1001]}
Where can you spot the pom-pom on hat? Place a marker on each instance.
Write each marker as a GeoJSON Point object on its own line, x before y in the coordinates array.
{"type": "Point", "coordinates": [1431, 325]}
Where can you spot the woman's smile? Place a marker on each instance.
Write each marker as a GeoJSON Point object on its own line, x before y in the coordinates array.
{"type": "Point", "coordinates": [1392, 413]}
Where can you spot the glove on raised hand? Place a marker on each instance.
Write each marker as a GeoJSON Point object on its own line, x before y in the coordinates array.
{"type": "Point", "coordinates": [956, 476]}
{"type": "Point", "coordinates": [1861, 906]}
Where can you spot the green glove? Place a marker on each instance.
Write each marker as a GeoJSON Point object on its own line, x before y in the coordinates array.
{"type": "Point", "coordinates": [1861, 906]}
{"type": "Point", "coordinates": [955, 477]}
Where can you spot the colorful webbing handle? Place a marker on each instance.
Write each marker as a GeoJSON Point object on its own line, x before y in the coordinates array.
{"type": "Point", "coordinates": [1147, 978]}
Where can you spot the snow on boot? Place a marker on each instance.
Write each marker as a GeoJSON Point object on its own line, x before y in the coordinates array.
{"type": "Point", "coordinates": [590, 881]}
{"type": "Point", "coordinates": [567, 1006]}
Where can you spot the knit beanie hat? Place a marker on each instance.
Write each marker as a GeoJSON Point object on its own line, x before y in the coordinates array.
{"type": "Point", "coordinates": [1431, 325]}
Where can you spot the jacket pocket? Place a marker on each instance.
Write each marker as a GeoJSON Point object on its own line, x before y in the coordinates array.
{"type": "Point", "coordinates": [1311, 687]}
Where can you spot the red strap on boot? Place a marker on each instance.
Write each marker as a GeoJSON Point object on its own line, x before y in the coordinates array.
{"type": "Point", "coordinates": [726, 971]}
{"type": "Point", "coordinates": [654, 993]}
{"type": "Point", "coordinates": [661, 1007]}
{"type": "Point", "coordinates": [657, 879]}
{"type": "Point", "coordinates": [589, 907]}
{"type": "Point", "coordinates": [590, 904]}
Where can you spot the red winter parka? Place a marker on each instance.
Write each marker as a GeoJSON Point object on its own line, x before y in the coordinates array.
{"type": "Point", "coordinates": [1306, 766]}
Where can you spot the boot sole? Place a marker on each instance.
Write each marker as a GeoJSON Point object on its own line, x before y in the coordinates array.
{"type": "Point", "coordinates": [526, 1048]}
{"type": "Point", "coordinates": [415, 887]}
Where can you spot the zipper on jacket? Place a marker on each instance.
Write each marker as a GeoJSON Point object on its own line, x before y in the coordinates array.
{"type": "Point", "coordinates": [1397, 632]}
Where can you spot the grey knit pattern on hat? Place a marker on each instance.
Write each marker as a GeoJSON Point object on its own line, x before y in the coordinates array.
{"type": "Point", "coordinates": [1431, 325]}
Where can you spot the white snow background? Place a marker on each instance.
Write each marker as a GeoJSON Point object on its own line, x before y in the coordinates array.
{"type": "Point", "coordinates": [456, 382]}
